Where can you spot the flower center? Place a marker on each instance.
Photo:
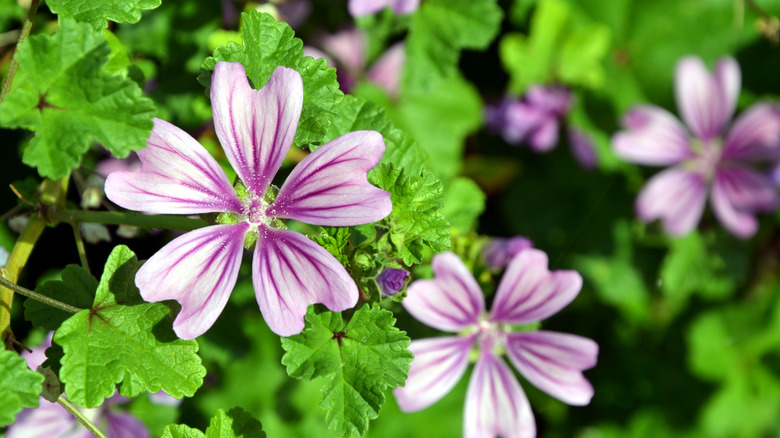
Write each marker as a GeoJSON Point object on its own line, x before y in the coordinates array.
{"type": "Point", "coordinates": [253, 210]}
{"type": "Point", "coordinates": [708, 156]}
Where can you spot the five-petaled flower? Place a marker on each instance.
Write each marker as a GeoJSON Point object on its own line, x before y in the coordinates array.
{"type": "Point", "coordinates": [256, 129]}
{"type": "Point", "coordinates": [495, 403]}
{"type": "Point", "coordinates": [705, 157]}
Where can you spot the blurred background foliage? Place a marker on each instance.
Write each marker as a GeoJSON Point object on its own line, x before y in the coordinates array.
{"type": "Point", "coordinates": [688, 328]}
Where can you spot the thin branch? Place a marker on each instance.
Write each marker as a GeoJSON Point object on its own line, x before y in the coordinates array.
{"type": "Point", "coordinates": [79, 416]}
{"type": "Point", "coordinates": [80, 247]}
{"type": "Point", "coordinates": [38, 297]}
{"type": "Point", "coordinates": [26, 28]}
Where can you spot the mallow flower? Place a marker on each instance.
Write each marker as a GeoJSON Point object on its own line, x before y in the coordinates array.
{"type": "Point", "coordinates": [499, 251]}
{"type": "Point", "coordinates": [359, 8]}
{"type": "Point", "coordinates": [707, 154]}
{"type": "Point", "coordinates": [50, 420]}
{"type": "Point", "coordinates": [495, 403]}
{"type": "Point", "coordinates": [536, 119]}
{"type": "Point", "coordinates": [289, 271]}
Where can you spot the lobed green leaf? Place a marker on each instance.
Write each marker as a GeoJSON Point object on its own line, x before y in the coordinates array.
{"type": "Point", "coordinates": [20, 386]}
{"type": "Point", "coordinates": [97, 12]}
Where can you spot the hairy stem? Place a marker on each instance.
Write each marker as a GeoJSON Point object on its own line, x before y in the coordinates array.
{"type": "Point", "coordinates": [79, 416]}
{"type": "Point", "coordinates": [168, 221]}
{"type": "Point", "coordinates": [26, 28]}
{"type": "Point", "coordinates": [38, 297]}
{"type": "Point", "coordinates": [80, 247]}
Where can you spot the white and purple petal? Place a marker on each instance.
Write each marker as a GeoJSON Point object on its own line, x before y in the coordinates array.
{"type": "Point", "coordinates": [199, 270]}
{"type": "Point", "coordinates": [676, 197]}
{"type": "Point", "coordinates": [329, 186]}
{"type": "Point", "coordinates": [739, 192]}
{"type": "Point", "coordinates": [520, 120]}
{"type": "Point", "coordinates": [755, 135]}
{"type": "Point", "coordinates": [122, 425]}
{"type": "Point", "coordinates": [653, 137]}
{"type": "Point", "coordinates": [705, 101]}
{"type": "Point", "coordinates": [438, 365]}
{"type": "Point", "coordinates": [545, 137]}
{"type": "Point", "coordinates": [255, 127]}
{"type": "Point", "coordinates": [290, 272]}
{"type": "Point", "coordinates": [177, 176]}
{"type": "Point", "coordinates": [451, 301]}
{"type": "Point", "coordinates": [48, 420]}
{"type": "Point", "coordinates": [529, 292]}
{"type": "Point", "coordinates": [495, 403]}
{"type": "Point", "coordinates": [554, 362]}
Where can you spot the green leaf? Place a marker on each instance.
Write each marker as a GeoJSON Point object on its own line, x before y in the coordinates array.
{"type": "Point", "coordinates": [268, 44]}
{"type": "Point", "coordinates": [355, 114]}
{"type": "Point", "coordinates": [97, 12]}
{"type": "Point", "coordinates": [464, 201]}
{"type": "Point", "coordinates": [19, 386]}
{"type": "Point", "coordinates": [76, 288]}
{"type": "Point", "coordinates": [439, 30]}
{"type": "Point", "coordinates": [558, 48]}
{"type": "Point", "coordinates": [63, 93]}
{"type": "Point", "coordinates": [235, 423]}
{"type": "Point", "coordinates": [123, 339]}
{"type": "Point", "coordinates": [416, 221]}
{"type": "Point", "coordinates": [361, 358]}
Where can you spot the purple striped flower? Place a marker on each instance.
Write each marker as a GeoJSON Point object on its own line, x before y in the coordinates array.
{"type": "Point", "coordinates": [495, 403]}
{"type": "Point", "coordinates": [359, 8]}
{"type": "Point", "coordinates": [290, 272]}
{"type": "Point", "coordinates": [709, 156]}
{"type": "Point", "coordinates": [50, 420]}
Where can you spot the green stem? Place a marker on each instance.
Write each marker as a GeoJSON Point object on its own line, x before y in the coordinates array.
{"type": "Point", "coordinates": [168, 221]}
{"type": "Point", "coordinates": [79, 416]}
{"type": "Point", "coordinates": [26, 28]}
{"type": "Point", "coordinates": [38, 297]}
{"type": "Point", "coordinates": [18, 258]}
{"type": "Point", "coordinates": [52, 195]}
{"type": "Point", "coordinates": [80, 247]}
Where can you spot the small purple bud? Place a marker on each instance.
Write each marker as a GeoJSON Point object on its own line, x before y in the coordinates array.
{"type": "Point", "coordinates": [499, 251]}
{"type": "Point", "coordinates": [391, 280]}
{"type": "Point", "coordinates": [582, 148]}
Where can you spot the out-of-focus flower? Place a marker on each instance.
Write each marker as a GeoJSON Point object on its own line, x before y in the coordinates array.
{"type": "Point", "coordinates": [256, 128]}
{"type": "Point", "coordinates": [346, 50]}
{"type": "Point", "coordinates": [50, 420]}
{"type": "Point", "coordinates": [358, 8]}
{"type": "Point", "coordinates": [499, 251]}
{"type": "Point", "coordinates": [708, 157]}
{"type": "Point", "coordinates": [94, 233]}
{"type": "Point", "coordinates": [495, 403]}
{"type": "Point", "coordinates": [536, 120]}
{"type": "Point", "coordinates": [391, 280]}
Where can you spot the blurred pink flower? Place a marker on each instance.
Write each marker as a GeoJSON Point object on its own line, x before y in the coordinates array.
{"type": "Point", "coordinates": [536, 120]}
{"type": "Point", "coordinates": [499, 251]}
{"type": "Point", "coordinates": [358, 8]}
{"type": "Point", "coordinates": [710, 156]}
{"type": "Point", "coordinates": [346, 50]}
{"type": "Point", "coordinates": [495, 403]}
{"type": "Point", "coordinates": [256, 128]}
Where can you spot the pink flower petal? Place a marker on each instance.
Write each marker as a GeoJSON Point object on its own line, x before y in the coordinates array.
{"type": "Point", "coordinates": [199, 270]}
{"type": "Point", "coordinates": [520, 119]}
{"type": "Point", "coordinates": [256, 127]}
{"type": "Point", "coordinates": [358, 8]}
{"type": "Point", "coordinates": [451, 301]}
{"type": "Point", "coordinates": [706, 102]}
{"type": "Point", "coordinates": [49, 420]}
{"type": "Point", "coordinates": [755, 134]}
{"type": "Point", "coordinates": [37, 356]}
{"type": "Point", "coordinates": [348, 48]}
{"type": "Point", "coordinates": [329, 187]}
{"type": "Point", "coordinates": [653, 137]}
{"type": "Point", "coordinates": [553, 362]}
{"type": "Point", "coordinates": [177, 176]}
{"type": "Point", "coordinates": [737, 193]}
{"type": "Point", "coordinates": [495, 403]}
{"type": "Point", "coordinates": [545, 137]}
{"type": "Point", "coordinates": [674, 196]}
{"type": "Point", "coordinates": [386, 71]}
{"type": "Point", "coordinates": [529, 292]}
{"type": "Point", "coordinates": [438, 365]}
{"type": "Point", "coordinates": [582, 148]}
{"type": "Point", "coordinates": [290, 272]}
{"type": "Point", "coordinates": [729, 79]}
{"type": "Point", "coordinates": [122, 425]}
